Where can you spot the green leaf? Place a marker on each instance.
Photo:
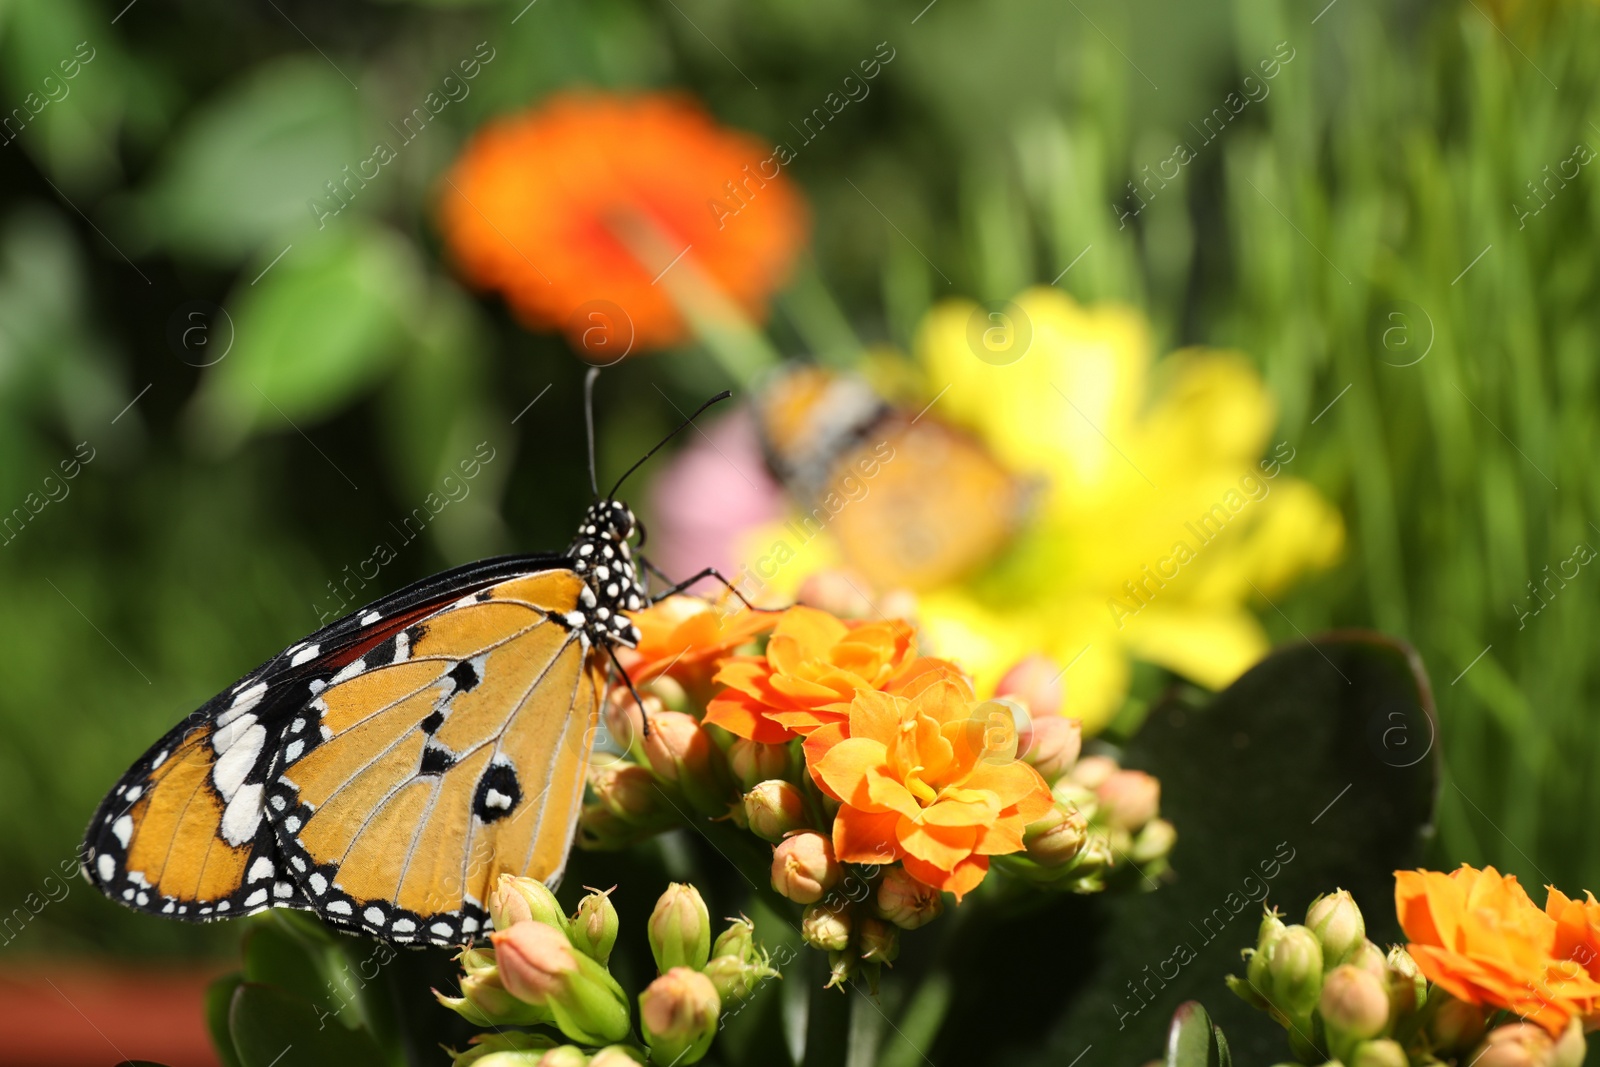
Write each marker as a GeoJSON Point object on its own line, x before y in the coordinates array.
{"type": "Point", "coordinates": [219, 999]}
{"type": "Point", "coordinates": [240, 175]}
{"type": "Point", "coordinates": [1192, 1039]}
{"type": "Point", "coordinates": [275, 956]}
{"type": "Point", "coordinates": [275, 1028]}
{"type": "Point", "coordinates": [323, 325]}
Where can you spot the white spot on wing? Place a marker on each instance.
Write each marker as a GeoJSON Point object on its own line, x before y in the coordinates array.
{"type": "Point", "coordinates": [230, 731]}
{"type": "Point", "coordinates": [243, 815]}
{"type": "Point", "coordinates": [339, 907]}
{"type": "Point", "coordinates": [123, 829]}
{"type": "Point", "coordinates": [106, 866]}
{"type": "Point", "coordinates": [373, 916]}
{"type": "Point", "coordinates": [402, 926]}
{"type": "Point", "coordinates": [305, 655]}
{"type": "Point", "coordinates": [496, 799]}
{"type": "Point", "coordinates": [350, 671]}
{"type": "Point", "coordinates": [256, 899]}
{"type": "Point", "coordinates": [260, 870]}
{"type": "Point", "coordinates": [236, 762]}
{"type": "Point", "coordinates": [369, 618]}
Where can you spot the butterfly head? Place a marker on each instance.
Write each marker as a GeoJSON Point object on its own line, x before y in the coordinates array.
{"type": "Point", "coordinates": [603, 556]}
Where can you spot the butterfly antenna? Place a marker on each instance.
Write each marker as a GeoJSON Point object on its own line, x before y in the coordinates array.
{"type": "Point", "coordinates": [588, 422]}
{"type": "Point", "coordinates": [725, 394]}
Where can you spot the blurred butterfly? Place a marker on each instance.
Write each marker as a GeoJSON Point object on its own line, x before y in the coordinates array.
{"type": "Point", "coordinates": [913, 502]}
{"type": "Point", "coordinates": [384, 771]}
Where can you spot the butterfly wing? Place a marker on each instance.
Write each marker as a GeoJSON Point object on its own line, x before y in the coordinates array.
{"type": "Point", "coordinates": [182, 834]}
{"type": "Point", "coordinates": [411, 783]}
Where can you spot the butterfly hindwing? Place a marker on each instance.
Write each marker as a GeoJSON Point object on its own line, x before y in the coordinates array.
{"type": "Point", "coordinates": [414, 779]}
{"type": "Point", "coordinates": [183, 834]}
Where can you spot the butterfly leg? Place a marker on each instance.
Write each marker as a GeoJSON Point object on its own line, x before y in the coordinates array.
{"type": "Point", "coordinates": [709, 572]}
{"type": "Point", "coordinates": [644, 716]}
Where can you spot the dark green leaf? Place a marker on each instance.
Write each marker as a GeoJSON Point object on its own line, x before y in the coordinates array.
{"type": "Point", "coordinates": [275, 1028]}
{"type": "Point", "coordinates": [219, 999]}
{"type": "Point", "coordinates": [1192, 1040]}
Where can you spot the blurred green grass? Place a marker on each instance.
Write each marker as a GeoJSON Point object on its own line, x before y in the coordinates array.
{"type": "Point", "coordinates": [1352, 232]}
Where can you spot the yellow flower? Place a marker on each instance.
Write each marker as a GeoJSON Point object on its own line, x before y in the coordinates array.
{"type": "Point", "coordinates": [1167, 508]}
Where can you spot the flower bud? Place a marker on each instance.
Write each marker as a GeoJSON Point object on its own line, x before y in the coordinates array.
{"type": "Point", "coordinates": [1570, 1046]}
{"type": "Point", "coordinates": [841, 968]}
{"type": "Point", "coordinates": [1380, 1053]}
{"type": "Point", "coordinates": [1056, 838]}
{"type": "Point", "coordinates": [738, 940]}
{"type": "Point", "coordinates": [600, 828]}
{"type": "Point", "coordinates": [539, 966]}
{"type": "Point", "coordinates": [1294, 972]}
{"type": "Point", "coordinates": [1271, 926]}
{"type": "Point", "coordinates": [774, 809]}
{"type": "Point", "coordinates": [678, 1014]}
{"type": "Point", "coordinates": [753, 762]}
{"type": "Point", "coordinates": [1456, 1025]}
{"type": "Point", "coordinates": [1354, 1004]}
{"type": "Point", "coordinates": [594, 927]}
{"type": "Point", "coordinates": [1153, 844]}
{"type": "Point", "coordinates": [1091, 771]}
{"type": "Point", "coordinates": [485, 1045]}
{"type": "Point", "coordinates": [560, 1056]}
{"type": "Point", "coordinates": [906, 902]}
{"type": "Point", "coordinates": [1408, 989]}
{"type": "Point", "coordinates": [628, 791]}
{"type": "Point", "coordinates": [1338, 924]}
{"type": "Point", "coordinates": [677, 746]}
{"type": "Point", "coordinates": [484, 1001]}
{"type": "Point", "coordinates": [877, 941]}
{"type": "Point", "coordinates": [825, 927]}
{"type": "Point", "coordinates": [1515, 1045]}
{"type": "Point", "coordinates": [836, 591]}
{"type": "Point", "coordinates": [680, 929]}
{"type": "Point", "coordinates": [614, 1056]}
{"type": "Point", "coordinates": [1051, 744]}
{"type": "Point", "coordinates": [1129, 799]}
{"type": "Point", "coordinates": [803, 867]}
{"type": "Point", "coordinates": [514, 900]}
{"type": "Point", "coordinates": [1036, 681]}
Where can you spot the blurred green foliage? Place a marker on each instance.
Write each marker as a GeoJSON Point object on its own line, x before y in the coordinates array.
{"type": "Point", "coordinates": [1354, 229]}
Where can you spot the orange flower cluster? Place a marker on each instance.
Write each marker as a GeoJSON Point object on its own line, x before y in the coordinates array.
{"type": "Point", "coordinates": [897, 740]}
{"type": "Point", "coordinates": [1479, 936]}
{"type": "Point", "coordinates": [556, 208]}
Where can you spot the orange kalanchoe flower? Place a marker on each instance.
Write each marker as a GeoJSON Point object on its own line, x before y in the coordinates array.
{"type": "Point", "coordinates": [813, 665]}
{"type": "Point", "coordinates": [685, 636]}
{"type": "Point", "coordinates": [1577, 931]}
{"type": "Point", "coordinates": [916, 787]}
{"type": "Point", "coordinates": [559, 207]}
{"type": "Point", "coordinates": [1477, 935]}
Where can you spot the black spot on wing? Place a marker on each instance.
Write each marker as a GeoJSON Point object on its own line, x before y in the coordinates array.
{"type": "Point", "coordinates": [431, 724]}
{"type": "Point", "coordinates": [498, 792]}
{"type": "Point", "coordinates": [436, 759]}
{"type": "Point", "coordinates": [465, 675]}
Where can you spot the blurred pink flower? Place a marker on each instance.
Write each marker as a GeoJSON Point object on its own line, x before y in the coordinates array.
{"type": "Point", "coordinates": [715, 490]}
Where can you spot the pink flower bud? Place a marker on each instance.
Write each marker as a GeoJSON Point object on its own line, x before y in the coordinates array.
{"type": "Point", "coordinates": [906, 902]}
{"type": "Point", "coordinates": [827, 928]}
{"type": "Point", "coordinates": [1036, 681]}
{"type": "Point", "coordinates": [678, 1014]}
{"type": "Point", "coordinates": [1456, 1026]}
{"type": "Point", "coordinates": [773, 809]}
{"type": "Point", "coordinates": [1090, 771]}
{"type": "Point", "coordinates": [534, 960]}
{"type": "Point", "coordinates": [627, 791]}
{"type": "Point", "coordinates": [1057, 837]}
{"type": "Point", "coordinates": [560, 1056]}
{"type": "Point", "coordinates": [677, 746]}
{"type": "Point", "coordinates": [753, 762]}
{"type": "Point", "coordinates": [1129, 799]}
{"type": "Point", "coordinates": [1516, 1045]}
{"type": "Point", "coordinates": [613, 1056]}
{"type": "Point", "coordinates": [803, 867]}
{"type": "Point", "coordinates": [1051, 744]}
{"type": "Point", "coordinates": [1354, 1004]}
{"type": "Point", "coordinates": [514, 900]}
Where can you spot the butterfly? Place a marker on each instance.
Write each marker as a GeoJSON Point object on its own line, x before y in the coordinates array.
{"type": "Point", "coordinates": [386, 770]}
{"type": "Point", "coordinates": [913, 502]}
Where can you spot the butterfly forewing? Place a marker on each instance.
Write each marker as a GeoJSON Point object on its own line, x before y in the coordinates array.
{"type": "Point", "coordinates": [186, 832]}
{"type": "Point", "coordinates": [413, 781]}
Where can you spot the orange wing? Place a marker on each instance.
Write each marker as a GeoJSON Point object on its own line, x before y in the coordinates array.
{"type": "Point", "coordinates": [403, 791]}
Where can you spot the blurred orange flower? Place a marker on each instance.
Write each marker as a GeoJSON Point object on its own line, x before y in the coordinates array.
{"type": "Point", "coordinates": [685, 636]}
{"type": "Point", "coordinates": [813, 665]}
{"type": "Point", "coordinates": [916, 787]}
{"type": "Point", "coordinates": [552, 207]}
{"type": "Point", "coordinates": [1577, 930]}
{"type": "Point", "coordinates": [1478, 935]}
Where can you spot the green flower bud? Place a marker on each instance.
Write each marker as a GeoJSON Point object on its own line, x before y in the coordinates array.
{"type": "Point", "coordinates": [1339, 927]}
{"type": "Point", "coordinates": [1381, 1053]}
{"type": "Point", "coordinates": [1056, 838]}
{"type": "Point", "coordinates": [774, 809]}
{"type": "Point", "coordinates": [614, 1056]}
{"type": "Point", "coordinates": [1074, 796]}
{"type": "Point", "coordinates": [877, 941]}
{"type": "Point", "coordinates": [484, 1001]}
{"type": "Point", "coordinates": [628, 791]}
{"type": "Point", "coordinates": [827, 927]}
{"type": "Point", "coordinates": [752, 762]}
{"type": "Point", "coordinates": [735, 978]}
{"type": "Point", "coordinates": [906, 902]}
{"type": "Point", "coordinates": [678, 1014]}
{"type": "Point", "coordinates": [484, 1045]}
{"type": "Point", "coordinates": [1294, 972]}
{"type": "Point", "coordinates": [1153, 844]}
{"type": "Point", "coordinates": [514, 900]}
{"type": "Point", "coordinates": [594, 926]}
{"type": "Point", "coordinates": [1271, 926]}
{"type": "Point", "coordinates": [738, 940]}
{"type": "Point", "coordinates": [560, 1056]}
{"type": "Point", "coordinates": [1354, 1005]}
{"type": "Point", "coordinates": [1369, 957]}
{"type": "Point", "coordinates": [539, 966]}
{"type": "Point", "coordinates": [680, 929]}
{"type": "Point", "coordinates": [841, 968]}
{"type": "Point", "coordinates": [1408, 987]}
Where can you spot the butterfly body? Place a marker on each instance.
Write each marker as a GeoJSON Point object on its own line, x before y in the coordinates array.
{"type": "Point", "coordinates": [384, 771]}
